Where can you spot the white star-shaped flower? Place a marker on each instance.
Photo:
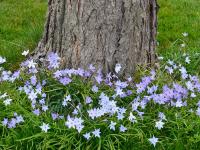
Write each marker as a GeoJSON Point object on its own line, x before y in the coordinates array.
{"type": "Point", "coordinates": [162, 116]}
{"type": "Point", "coordinates": [112, 125]}
{"type": "Point", "coordinates": [19, 119]}
{"type": "Point", "coordinates": [175, 66]}
{"type": "Point", "coordinates": [45, 127]}
{"type": "Point", "coordinates": [118, 68]}
{"type": "Point", "coordinates": [179, 104]}
{"type": "Point", "coordinates": [45, 108]}
{"type": "Point", "coordinates": [3, 96]}
{"type": "Point", "coordinates": [170, 62]}
{"type": "Point", "coordinates": [185, 34]}
{"type": "Point", "coordinates": [31, 64]}
{"type": "Point", "coordinates": [70, 122]}
{"type": "Point", "coordinates": [7, 102]}
{"type": "Point", "coordinates": [25, 53]}
{"type": "Point", "coordinates": [187, 60]}
{"type": "Point", "coordinates": [183, 45]}
{"type": "Point", "coordinates": [198, 111]}
{"type": "Point", "coordinates": [132, 118]}
{"type": "Point", "coordinates": [32, 95]}
{"type": "Point", "coordinates": [91, 67]}
{"type": "Point", "coordinates": [5, 122]}
{"type": "Point", "coordinates": [95, 89]}
{"type": "Point", "coordinates": [64, 103]}
{"type": "Point", "coordinates": [160, 58]}
{"type": "Point", "coordinates": [122, 128]}
{"type": "Point", "coordinates": [129, 79]}
{"type": "Point", "coordinates": [87, 136]}
{"type": "Point", "coordinates": [153, 141]}
{"type": "Point", "coordinates": [96, 133]}
{"type": "Point", "coordinates": [120, 116]}
{"type": "Point", "coordinates": [169, 69]}
{"type": "Point", "coordinates": [193, 95]}
{"type": "Point", "coordinates": [2, 60]}
{"type": "Point", "coordinates": [75, 112]}
{"type": "Point", "coordinates": [183, 70]}
{"type": "Point", "coordinates": [159, 124]}
{"type": "Point", "coordinates": [119, 91]}
{"type": "Point", "coordinates": [68, 98]}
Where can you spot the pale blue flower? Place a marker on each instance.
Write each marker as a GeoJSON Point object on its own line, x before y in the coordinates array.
{"type": "Point", "coordinates": [112, 125]}
{"type": "Point", "coordinates": [87, 136]}
{"type": "Point", "coordinates": [45, 127]}
{"type": "Point", "coordinates": [153, 141]}
{"type": "Point", "coordinates": [96, 133]}
{"type": "Point", "coordinates": [122, 128]}
{"type": "Point", "coordinates": [54, 60]}
{"type": "Point", "coordinates": [159, 124]}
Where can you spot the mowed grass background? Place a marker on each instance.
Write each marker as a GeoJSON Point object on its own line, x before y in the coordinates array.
{"type": "Point", "coordinates": [21, 26]}
{"type": "Point", "coordinates": [22, 22]}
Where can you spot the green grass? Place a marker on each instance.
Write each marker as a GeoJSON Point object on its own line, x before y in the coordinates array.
{"type": "Point", "coordinates": [176, 17]}
{"type": "Point", "coordinates": [21, 26]}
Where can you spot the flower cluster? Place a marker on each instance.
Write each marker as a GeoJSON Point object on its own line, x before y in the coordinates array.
{"type": "Point", "coordinates": [13, 122]}
{"type": "Point", "coordinates": [76, 123]}
{"type": "Point", "coordinates": [54, 60]}
{"type": "Point", "coordinates": [106, 107]}
{"type": "Point", "coordinates": [7, 101]}
{"type": "Point", "coordinates": [109, 101]}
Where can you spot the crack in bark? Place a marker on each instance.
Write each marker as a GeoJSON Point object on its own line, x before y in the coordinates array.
{"type": "Point", "coordinates": [63, 10]}
{"type": "Point", "coordinates": [153, 26]}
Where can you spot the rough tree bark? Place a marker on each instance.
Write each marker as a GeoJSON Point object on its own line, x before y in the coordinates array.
{"type": "Point", "coordinates": [101, 32]}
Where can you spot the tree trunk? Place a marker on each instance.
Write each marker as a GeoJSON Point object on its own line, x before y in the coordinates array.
{"type": "Point", "coordinates": [101, 32]}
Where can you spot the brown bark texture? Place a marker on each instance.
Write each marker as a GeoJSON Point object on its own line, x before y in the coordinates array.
{"type": "Point", "coordinates": [100, 32]}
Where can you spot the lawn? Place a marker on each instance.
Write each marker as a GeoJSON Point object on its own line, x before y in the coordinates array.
{"type": "Point", "coordinates": [176, 17]}
{"type": "Point", "coordinates": [21, 26]}
{"type": "Point", "coordinates": [31, 113]}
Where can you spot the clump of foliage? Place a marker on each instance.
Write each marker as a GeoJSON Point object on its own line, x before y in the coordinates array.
{"type": "Point", "coordinates": [50, 108]}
